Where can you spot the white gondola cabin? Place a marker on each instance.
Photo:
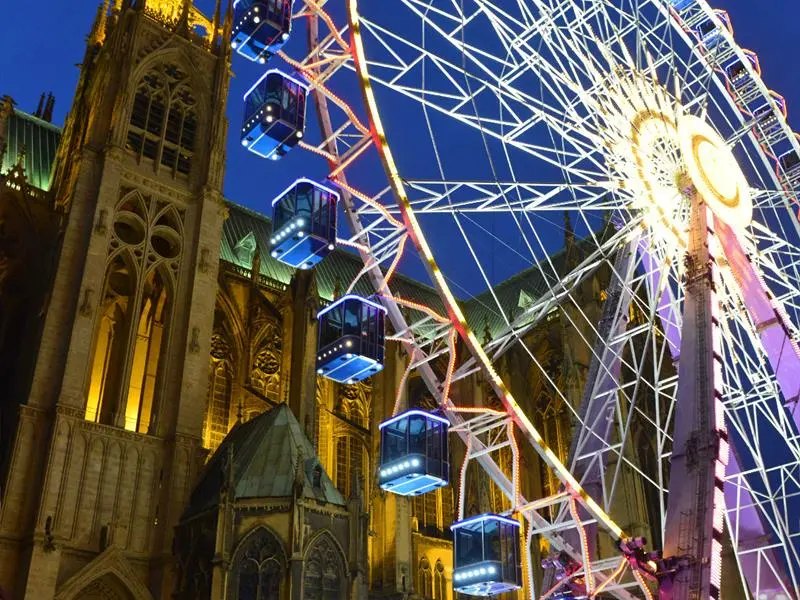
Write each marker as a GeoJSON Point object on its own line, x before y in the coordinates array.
{"type": "Point", "coordinates": [304, 224]}
{"type": "Point", "coordinates": [260, 27]}
{"type": "Point", "coordinates": [487, 555]}
{"type": "Point", "coordinates": [351, 339]}
{"type": "Point", "coordinates": [274, 115]}
{"type": "Point", "coordinates": [414, 453]}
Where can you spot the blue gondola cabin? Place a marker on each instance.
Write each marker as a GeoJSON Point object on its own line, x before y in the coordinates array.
{"type": "Point", "coordinates": [487, 555]}
{"type": "Point", "coordinates": [351, 339]}
{"type": "Point", "coordinates": [304, 224]}
{"type": "Point", "coordinates": [414, 456]}
{"type": "Point", "coordinates": [274, 115]}
{"type": "Point", "coordinates": [260, 27]}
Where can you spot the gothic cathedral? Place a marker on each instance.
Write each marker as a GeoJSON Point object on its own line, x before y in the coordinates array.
{"type": "Point", "coordinates": [163, 433]}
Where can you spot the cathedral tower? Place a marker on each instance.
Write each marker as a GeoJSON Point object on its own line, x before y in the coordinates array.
{"type": "Point", "coordinates": [108, 438]}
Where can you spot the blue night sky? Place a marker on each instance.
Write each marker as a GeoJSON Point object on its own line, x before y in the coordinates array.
{"type": "Point", "coordinates": [42, 42]}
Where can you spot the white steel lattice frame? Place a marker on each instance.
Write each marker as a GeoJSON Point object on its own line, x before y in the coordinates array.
{"type": "Point", "coordinates": [383, 222]}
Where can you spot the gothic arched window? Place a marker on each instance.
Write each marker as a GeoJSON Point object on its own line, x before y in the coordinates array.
{"type": "Point", "coordinates": [134, 308]}
{"type": "Point", "coordinates": [163, 123]}
{"type": "Point", "coordinates": [349, 461]}
{"type": "Point", "coordinates": [439, 582]}
{"type": "Point", "coordinates": [258, 568]}
{"type": "Point", "coordinates": [323, 571]}
{"type": "Point", "coordinates": [219, 403]}
{"type": "Point", "coordinates": [425, 579]}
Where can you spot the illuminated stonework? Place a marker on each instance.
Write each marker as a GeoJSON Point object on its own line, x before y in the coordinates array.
{"type": "Point", "coordinates": [170, 11]}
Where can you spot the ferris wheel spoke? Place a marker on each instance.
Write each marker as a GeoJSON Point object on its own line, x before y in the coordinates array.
{"type": "Point", "coordinates": [524, 79]}
{"type": "Point", "coordinates": [538, 309]}
{"type": "Point", "coordinates": [443, 197]}
{"type": "Point", "coordinates": [484, 82]}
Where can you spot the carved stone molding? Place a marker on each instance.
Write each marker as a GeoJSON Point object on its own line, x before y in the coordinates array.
{"type": "Point", "coordinates": [166, 192]}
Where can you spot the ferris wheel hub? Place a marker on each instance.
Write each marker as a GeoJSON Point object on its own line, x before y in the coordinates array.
{"type": "Point", "coordinates": [714, 171]}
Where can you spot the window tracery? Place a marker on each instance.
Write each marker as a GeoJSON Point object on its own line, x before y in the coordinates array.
{"type": "Point", "coordinates": [218, 410]}
{"type": "Point", "coordinates": [352, 406]}
{"type": "Point", "coordinates": [163, 122]}
{"type": "Point", "coordinates": [259, 568]}
{"type": "Point", "coordinates": [425, 579]}
{"type": "Point", "coordinates": [266, 366]}
{"type": "Point", "coordinates": [439, 582]}
{"type": "Point", "coordinates": [135, 306]}
{"type": "Point", "coordinates": [323, 571]}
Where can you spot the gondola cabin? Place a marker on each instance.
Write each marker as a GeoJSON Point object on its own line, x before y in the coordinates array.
{"type": "Point", "coordinates": [351, 339]}
{"type": "Point", "coordinates": [414, 456]}
{"type": "Point", "coordinates": [274, 115]}
{"type": "Point", "coordinates": [260, 27]}
{"type": "Point", "coordinates": [304, 224]}
{"type": "Point", "coordinates": [487, 555]}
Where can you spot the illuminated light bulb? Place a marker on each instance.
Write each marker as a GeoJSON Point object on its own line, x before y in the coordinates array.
{"type": "Point", "coordinates": [300, 234]}
{"type": "Point", "coordinates": [244, 142]}
{"type": "Point", "coordinates": [415, 462]}
{"type": "Point", "coordinates": [262, 60]}
{"type": "Point", "coordinates": [299, 134]}
{"type": "Point", "coordinates": [269, 108]}
{"type": "Point", "coordinates": [483, 571]}
{"type": "Point", "coordinates": [301, 222]}
{"type": "Point", "coordinates": [331, 246]}
{"type": "Point", "coordinates": [234, 45]}
{"type": "Point", "coordinates": [319, 371]}
{"type": "Point", "coordinates": [270, 118]}
{"type": "Point", "coordinates": [285, 36]}
{"type": "Point", "coordinates": [255, 9]}
{"type": "Point", "coordinates": [274, 253]}
{"type": "Point", "coordinates": [351, 381]}
{"type": "Point", "coordinates": [348, 355]}
{"type": "Point", "coordinates": [348, 343]}
{"type": "Point", "coordinates": [275, 157]}
{"type": "Point", "coordinates": [256, 19]}
{"type": "Point", "coordinates": [492, 570]}
{"type": "Point", "coordinates": [272, 240]}
{"type": "Point", "coordinates": [406, 464]}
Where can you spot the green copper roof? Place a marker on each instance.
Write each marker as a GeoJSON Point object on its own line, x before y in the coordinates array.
{"type": "Point", "coordinates": [271, 455]}
{"type": "Point", "coordinates": [40, 141]}
{"type": "Point", "coordinates": [244, 226]}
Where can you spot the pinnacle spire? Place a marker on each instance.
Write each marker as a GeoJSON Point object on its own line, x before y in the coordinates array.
{"type": "Point", "coordinates": [228, 27]}
{"type": "Point", "coordinates": [183, 21]}
{"type": "Point", "coordinates": [98, 33]}
{"type": "Point", "coordinates": [217, 18]}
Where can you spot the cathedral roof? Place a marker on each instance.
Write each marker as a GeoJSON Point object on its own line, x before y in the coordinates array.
{"type": "Point", "coordinates": [516, 293]}
{"type": "Point", "coordinates": [246, 231]}
{"type": "Point", "coordinates": [39, 139]}
{"type": "Point", "coordinates": [340, 266]}
{"type": "Point", "coordinates": [270, 455]}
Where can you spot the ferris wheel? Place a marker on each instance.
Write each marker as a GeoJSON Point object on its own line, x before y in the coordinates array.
{"type": "Point", "coordinates": [478, 136]}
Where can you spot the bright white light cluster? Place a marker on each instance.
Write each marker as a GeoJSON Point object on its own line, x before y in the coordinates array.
{"type": "Point", "coordinates": [473, 573]}
{"type": "Point", "coordinates": [289, 230]}
{"type": "Point", "coordinates": [659, 154]}
{"type": "Point", "coordinates": [400, 467]}
{"type": "Point", "coordinates": [347, 344]}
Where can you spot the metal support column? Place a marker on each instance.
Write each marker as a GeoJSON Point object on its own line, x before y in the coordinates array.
{"type": "Point", "coordinates": [696, 504]}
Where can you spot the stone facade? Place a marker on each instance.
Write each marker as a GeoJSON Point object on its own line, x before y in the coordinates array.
{"type": "Point", "coordinates": [142, 320]}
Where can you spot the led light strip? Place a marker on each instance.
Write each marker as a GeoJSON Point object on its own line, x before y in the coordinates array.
{"type": "Point", "coordinates": [454, 311]}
